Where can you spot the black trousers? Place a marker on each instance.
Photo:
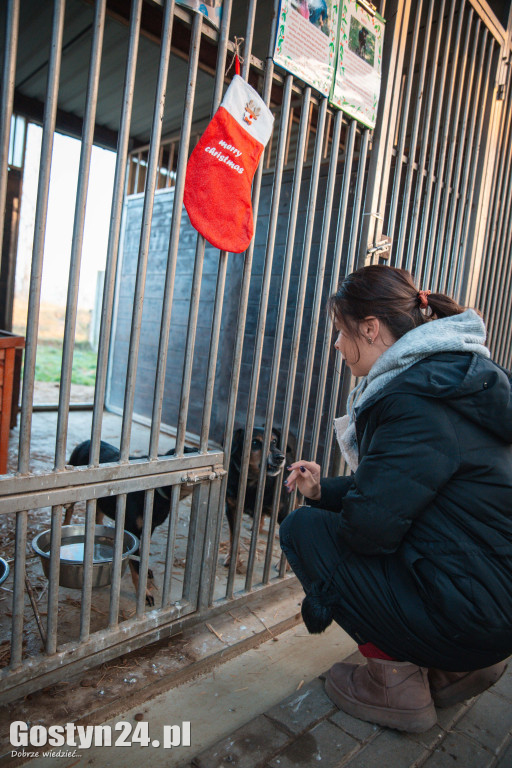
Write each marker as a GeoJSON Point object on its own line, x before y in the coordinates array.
{"type": "Point", "coordinates": [310, 539]}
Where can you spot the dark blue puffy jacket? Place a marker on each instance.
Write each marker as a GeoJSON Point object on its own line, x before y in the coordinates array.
{"type": "Point", "coordinates": [425, 523]}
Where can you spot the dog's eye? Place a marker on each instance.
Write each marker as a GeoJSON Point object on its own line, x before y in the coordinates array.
{"type": "Point", "coordinates": [256, 444]}
{"type": "Point", "coordinates": [273, 443]}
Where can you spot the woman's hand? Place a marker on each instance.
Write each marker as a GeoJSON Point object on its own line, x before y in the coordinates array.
{"type": "Point", "coordinates": [305, 476]}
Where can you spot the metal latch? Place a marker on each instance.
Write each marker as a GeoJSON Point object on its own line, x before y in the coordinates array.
{"type": "Point", "coordinates": [193, 478]}
{"type": "Point", "coordinates": [382, 248]}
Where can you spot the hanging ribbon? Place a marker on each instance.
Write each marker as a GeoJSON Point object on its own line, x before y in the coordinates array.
{"type": "Point", "coordinates": [237, 59]}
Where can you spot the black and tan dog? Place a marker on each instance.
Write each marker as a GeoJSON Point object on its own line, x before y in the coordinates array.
{"type": "Point", "coordinates": [275, 461]}
{"type": "Point", "coordinates": [134, 518]}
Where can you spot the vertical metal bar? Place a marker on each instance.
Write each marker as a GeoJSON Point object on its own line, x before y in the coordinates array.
{"type": "Point", "coordinates": [412, 143]}
{"type": "Point", "coordinates": [78, 233]}
{"type": "Point", "coordinates": [12, 22]}
{"type": "Point", "coordinates": [53, 580]}
{"type": "Point", "coordinates": [335, 274]}
{"type": "Point", "coordinates": [18, 597]}
{"type": "Point", "coordinates": [249, 36]}
{"type": "Point", "coordinates": [147, 518]}
{"type": "Point", "coordinates": [171, 541]}
{"type": "Point", "coordinates": [358, 200]}
{"type": "Point", "coordinates": [404, 107]}
{"type": "Point", "coordinates": [85, 608]}
{"type": "Point", "coordinates": [147, 213]}
{"type": "Point", "coordinates": [279, 333]}
{"type": "Point", "coordinates": [115, 228]}
{"type": "Point", "coordinates": [245, 285]}
{"type": "Point", "coordinates": [172, 257]}
{"type": "Point", "coordinates": [50, 112]}
{"type": "Point", "coordinates": [190, 343]}
{"type": "Point", "coordinates": [311, 106]}
{"type": "Point", "coordinates": [160, 180]}
{"type": "Point", "coordinates": [170, 163]}
{"type": "Point", "coordinates": [115, 588]}
{"type": "Point", "coordinates": [322, 135]}
{"type": "Point", "coordinates": [209, 557]}
{"type": "Point", "coordinates": [196, 541]}
{"type": "Point", "coordinates": [137, 172]}
{"type": "Point", "coordinates": [213, 350]}
{"type": "Point", "coordinates": [260, 332]}
{"type": "Point", "coordinates": [427, 124]}
{"type": "Point", "coordinates": [451, 129]}
{"type": "Point", "coordinates": [438, 111]}
{"type": "Point", "coordinates": [328, 135]}
{"type": "Point", "coordinates": [290, 126]}
{"type": "Point", "coordinates": [470, 162]}
{"type": "Point", "coordinates": [463, 153]}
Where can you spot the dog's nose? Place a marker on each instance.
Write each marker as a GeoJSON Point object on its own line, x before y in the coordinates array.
{"type": "Point", "coordinates": [279, 456]}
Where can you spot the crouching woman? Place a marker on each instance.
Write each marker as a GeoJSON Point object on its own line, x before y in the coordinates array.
{"type": "Point", "coordinates": [412, 553]}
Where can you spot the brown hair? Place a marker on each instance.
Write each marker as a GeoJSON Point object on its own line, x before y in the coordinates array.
{"type": "Point", "coordinates": [388, 294]}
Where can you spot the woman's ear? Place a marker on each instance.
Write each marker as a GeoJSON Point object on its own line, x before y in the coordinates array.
{"type": "Point", "coordinates": [370, 327]}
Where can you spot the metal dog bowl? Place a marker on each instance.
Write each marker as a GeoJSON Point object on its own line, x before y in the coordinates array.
{"type": "Point", "coordinates": [4, 570]}
{"type": "Point", "coordinates": [72, 554]}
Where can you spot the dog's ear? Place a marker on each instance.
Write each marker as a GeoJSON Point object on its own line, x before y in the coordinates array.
{"type": "Point", "coordinates": [277, 433]}
{"type": "Point", "coordinates": [237, 441]}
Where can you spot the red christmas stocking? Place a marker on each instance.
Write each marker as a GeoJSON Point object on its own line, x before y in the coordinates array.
{"type": "Point", "coordinates": [221, 168]}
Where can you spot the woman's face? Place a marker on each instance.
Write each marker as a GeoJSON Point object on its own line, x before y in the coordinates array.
{"type": "Point", "coordinates": [358, 354]}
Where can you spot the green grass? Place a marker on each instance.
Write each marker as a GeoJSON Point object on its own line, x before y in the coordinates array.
{"type": "Point", "coordinates": [49, 360]}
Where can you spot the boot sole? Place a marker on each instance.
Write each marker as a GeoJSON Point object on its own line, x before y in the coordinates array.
{"type": "Point", "coordinates": [415, 721]}
{"type": "Point", "coordinates": [461, 691]}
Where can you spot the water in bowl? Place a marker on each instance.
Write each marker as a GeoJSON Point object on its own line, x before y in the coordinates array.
{"type": "Point", "coordinates": [73, 550]}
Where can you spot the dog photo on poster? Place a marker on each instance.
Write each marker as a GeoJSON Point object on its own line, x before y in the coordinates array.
{"type": "Point", "coordinates": [356, 86]}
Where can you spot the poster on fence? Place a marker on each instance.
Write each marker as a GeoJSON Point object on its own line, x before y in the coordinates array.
{"type": "Point", "coordinates": [306, 40]}
{"type": "Point", "coordinates": [337, 49]}
{"type": "Point", "coordinates": [356, 86]}
{"type": "Point", "coordinates": [212, 9]}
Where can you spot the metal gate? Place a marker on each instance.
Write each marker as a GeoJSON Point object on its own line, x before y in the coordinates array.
{"type": "Point", "coordinates": [343, 188]}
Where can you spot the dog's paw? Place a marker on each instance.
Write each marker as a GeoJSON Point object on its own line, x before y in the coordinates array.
{"type": "Point", "coordinates": [150, 600]}
{"type": "Point", "coordinates": [241, 568]}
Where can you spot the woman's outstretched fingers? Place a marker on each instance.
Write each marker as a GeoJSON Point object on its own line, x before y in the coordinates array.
{"type": "Point", "coordinates": [304, 476]}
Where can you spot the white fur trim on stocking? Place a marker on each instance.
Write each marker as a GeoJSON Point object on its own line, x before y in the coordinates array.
{"type": "Point", "coordinates": [247, 107]}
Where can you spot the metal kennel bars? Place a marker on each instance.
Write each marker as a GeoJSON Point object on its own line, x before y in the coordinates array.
{"type": "Point", "coordinates": [434, 177]}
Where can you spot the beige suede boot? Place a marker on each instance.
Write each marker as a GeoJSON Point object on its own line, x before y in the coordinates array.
{"type": "Point", "coordinates": [391, 693]}
{"type": "Point", "coordinates": [449, 688]}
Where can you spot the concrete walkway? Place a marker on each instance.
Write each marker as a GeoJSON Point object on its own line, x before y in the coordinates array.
{"type": "Point", "coordinates": [305, 729]}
